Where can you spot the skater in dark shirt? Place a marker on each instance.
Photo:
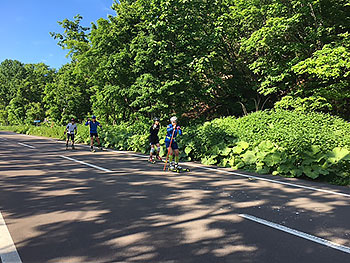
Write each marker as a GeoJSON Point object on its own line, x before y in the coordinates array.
{"type": "Point", "coordinates": [154, 141]}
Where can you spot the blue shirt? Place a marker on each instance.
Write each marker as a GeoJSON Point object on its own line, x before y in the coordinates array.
{"type": "Point", "coordinates": [93, 126]}
{"type": "Point", "coordinates": [169, 132]}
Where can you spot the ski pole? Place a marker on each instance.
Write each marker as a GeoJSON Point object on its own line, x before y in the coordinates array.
{"type": "Point", "coordinates": [171, 140]}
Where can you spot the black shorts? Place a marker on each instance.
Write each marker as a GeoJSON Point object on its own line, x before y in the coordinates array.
{"type": "Point", "coordinates": [174, 145]}
{"type": "Point", "coordinates": [153, 140]}
{"type": "Point", "coordinates": [93, 134]}
{"type": "Point", "coordinates": [70, 136]}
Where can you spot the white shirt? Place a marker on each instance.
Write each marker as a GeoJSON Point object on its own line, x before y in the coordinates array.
{"type": "Point", "coordinates": [71, 127]}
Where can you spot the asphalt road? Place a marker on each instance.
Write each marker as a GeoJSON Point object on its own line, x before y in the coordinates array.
{"type": "Point", "coordinates": [78, 206]}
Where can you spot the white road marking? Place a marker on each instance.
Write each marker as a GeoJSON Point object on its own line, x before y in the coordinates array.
{"type": "Point", "coordinates": [26, 145]}
{"type": "Point", "coordinates": [242, 175]}
{"type": "Point", "coordinates": [269, 180]}
{"type": "Point", "coordinates": [294, 232]}
{"type": "Point", "coordinates": [8, 251]}
{"type": "Point", "coordinates": [88, 164]}
{"type": "Point", "coordinates": [249, 176]}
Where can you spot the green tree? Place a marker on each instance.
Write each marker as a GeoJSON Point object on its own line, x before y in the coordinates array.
{"type": "Point", "coordinates": [67, 96]}
{"type": "Point", "coordinates": [22, 89]}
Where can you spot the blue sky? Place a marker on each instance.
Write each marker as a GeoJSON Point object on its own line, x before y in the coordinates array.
{"type": "Point", "coordinates": [25, 27]}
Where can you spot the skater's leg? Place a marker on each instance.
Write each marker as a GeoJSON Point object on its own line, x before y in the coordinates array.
{"type": "Point", "coordinates": [99, 143]}
{"type": "Point", "coordinates": [67, 141]}
{"type": "Point", "coordinates": [171, 159]}
{"type": "Point", "coordinates": [152, 151]}
{"type": "Point", "coordinates": [177, 157]}
{"type": "Point", "coordinates": [92, 143]}
{"type": "Point", "coordinates": [72, 139]}
{"type": "Point", "coordinates": [176, 152]}
{"type": "Point", "coordinates": [158, 151]}
{"type": "Point", "coordinates": [170, 155]}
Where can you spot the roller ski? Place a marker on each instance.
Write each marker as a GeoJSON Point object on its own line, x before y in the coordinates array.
{"type": "Point", "coordinates": [177, 169]}
{"type": "Point", "coordinates": [151, 160]}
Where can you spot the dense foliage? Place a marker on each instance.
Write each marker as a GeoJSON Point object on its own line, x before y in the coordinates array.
{"type": "Point", "coordinates": [196, 58]}
{"type": "Point", "coordinates": [278, 142]}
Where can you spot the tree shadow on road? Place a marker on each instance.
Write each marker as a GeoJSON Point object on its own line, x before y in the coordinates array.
{"type": "Point", "coordinates": [60, 211]}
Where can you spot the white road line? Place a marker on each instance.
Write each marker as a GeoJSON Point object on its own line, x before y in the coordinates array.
{"type": "Point", "coordinates": [269, 180]}
{"type": "Point", "coordinates": [250, 176]}
{"type": "Point", "coordinates": [88, 164]}
{"type": "Point", "coordinates": [243, 175]}
{"type": "Point", "coordinates": [294, 232]}
{"type": "Point", "coordinates": [26, 145]}
{"type": "Point", "coordinates": [8, 251]}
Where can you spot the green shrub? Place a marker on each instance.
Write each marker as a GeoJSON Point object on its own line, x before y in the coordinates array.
{"type": "Point", "coordinates": [312, 103]}
{"type": "Point", "coordinates": [287, 143]}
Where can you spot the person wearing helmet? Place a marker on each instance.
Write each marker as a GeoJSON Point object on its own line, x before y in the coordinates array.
{"type": "Point", "coordinates": [172, 131]}
{"type": "Point", "coordinates": [154, 140]}
{"type": "Point", "coordinates": [93, 132]}
{"type": "Point", "coordinates": [70, 129]}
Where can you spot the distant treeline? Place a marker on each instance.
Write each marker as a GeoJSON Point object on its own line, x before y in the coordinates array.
{"type": "Point", "coordinates": [199, 59]}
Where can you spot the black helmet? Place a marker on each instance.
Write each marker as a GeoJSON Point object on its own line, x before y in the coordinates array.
{"type": "Point", "coordinates": [156, 119]}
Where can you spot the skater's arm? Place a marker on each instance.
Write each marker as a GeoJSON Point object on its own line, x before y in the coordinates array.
{"type": "Point", "coordinates": [179, 130]}
{"type": "Point", "coordinates": [170, 128]}
{"type": "Point", "coordinates": [87, 122]}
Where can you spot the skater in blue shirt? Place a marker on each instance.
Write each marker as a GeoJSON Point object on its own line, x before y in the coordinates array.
{"type": "Point", "coordinates": [172, 131]}
{"type": "Point", "coordinates": [93, 131]}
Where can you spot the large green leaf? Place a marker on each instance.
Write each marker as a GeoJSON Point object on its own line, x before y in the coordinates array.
{"type": "Point", "coordinates": [249, 157]}
{"type": "Point", "coordinates": [209, 160]}
{"type": "Point", "coordinates": [188, 149]}
{"type": "Point", "coordinates": [261, 168]}
{"type": "Point", "coordinates": [224, 162]}
{"type": "Point", "coordinates": [226, 152]}
{"type": "Point", "coordinates": [238, 165]}
{"type": "Point", "coordinates": [309, 172]}
{"type": "Point", "coordinates": [260, 155]}
{"type": "Point", "coordinates": [273, 159]}
{"type": "Point", "coordinates": [240, 147]}
{"type": "Point", "coordinates": [266, 146]}
{"type": "Point", "coordinates": [215, 150]}
{"type": "Point", "coordinates": [338, 154]}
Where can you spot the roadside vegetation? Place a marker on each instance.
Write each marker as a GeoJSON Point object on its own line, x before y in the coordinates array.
{"type": "Point", "coordinates": [279, 142]}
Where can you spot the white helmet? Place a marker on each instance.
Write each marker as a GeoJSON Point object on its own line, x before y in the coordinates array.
{"type": "Point", "coordinates": [173, 119]}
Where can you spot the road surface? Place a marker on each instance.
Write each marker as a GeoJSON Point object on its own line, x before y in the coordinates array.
{"type": "Point", "coordinates": [110, 206]}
